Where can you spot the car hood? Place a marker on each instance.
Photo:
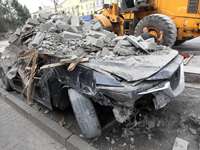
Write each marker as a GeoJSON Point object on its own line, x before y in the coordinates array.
{"type": "Point", "coordinates": [144, 67]}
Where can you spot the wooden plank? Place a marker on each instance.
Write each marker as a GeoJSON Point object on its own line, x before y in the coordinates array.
{"type": "Point", "coordinates": [186, 61]}
{"type": "Point", "coordinates": [52, 65]}
{"type": "Point", "coordinates": [62, 63]}
{"type": "Point", "coordinates": [75, 62]}
{"type": "Point", "coordinates": [23, 76]}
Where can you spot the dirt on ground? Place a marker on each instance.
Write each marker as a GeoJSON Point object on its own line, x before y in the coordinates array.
{"type": "Point", "coordinates": [157, 130]}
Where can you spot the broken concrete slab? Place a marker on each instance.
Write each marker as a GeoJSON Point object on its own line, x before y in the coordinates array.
{"type": "Point", "coordinates": [87, 26]}
{"type": "Point", "coordinates": [139, 38]}
{"type": "Point", "coordinates": [46, 26]}
{"type": "Point", "coordinates": [151, 40]}
{"type": "Point", "coordinates": [180, 144]}
{"type": "Point", "coordinates": [61, 26]}
{"type": "Point", "coordinates": [18, 31]}
{"type": "Point", "coordinates": [38, 39]}
{"type": "Point", "coordinates": [132, 40]}
{"type": "Point", "coordinates": [66, 19]}
{"type": "Point", "coordinates": [13, 38]}
{"type": "Point", "coordinates": [57, 17]}
{"type": "Point", "coordinates": [41, 20]}
{"type": "Point", "coordinates": [67, 34]}
{"type": "Point", "coordinates": [44, 15]}
{"type": "Point", "coordinates": [32, 22]}
{"type": "Point", "coordinates": [72, 29]}
{"type": "Point", "coordinates": [123, 43]}
{"type": "Point", "coordinates": [75, 20]}
{"type": "Point", "coordinates": [122, 51]}
{"type": "Point", "coordinates": [149, 45]}
{"type": "Point", "coordinates": [97, 26]}
{"type": "Point", "coordinates": [116, 39]}
{"type": "Point", "coordinates": [95, 42]}
{"type": "Point", "coordinates": [105, 52]}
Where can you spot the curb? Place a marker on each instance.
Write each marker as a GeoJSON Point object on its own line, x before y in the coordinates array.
{"type": "Point", "coordinates": [58, 133]}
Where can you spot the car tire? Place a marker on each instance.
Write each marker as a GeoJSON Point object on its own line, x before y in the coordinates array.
{"type": "Point", "coordinates": [6, 84]}
{"type": "Point", "coordinates": [157, 23]}
{"type": "Point", "coordinates": [85, 114]}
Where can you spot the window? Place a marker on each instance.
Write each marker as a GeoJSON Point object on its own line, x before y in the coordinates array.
{"type": "Point", "coordinates": [81, 6]}
{"type": "Point", "coordinates": [77, 9]}
{"type": "Point", "coordinates": [87, 6]}
{"type": "Point", "coordinates": [82, 14]}
{"type": "Point", "coordinates": [91, 12]}
{"type": "Point", "coordinates": [88, 13]}
{"type": "Point", "coordinates": [93, 4]}
{"type": "Point", "coordinates": [90, 4]}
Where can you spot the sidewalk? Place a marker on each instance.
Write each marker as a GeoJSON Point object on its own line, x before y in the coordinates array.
{"type": "Point", "coordinates": [18, 133]}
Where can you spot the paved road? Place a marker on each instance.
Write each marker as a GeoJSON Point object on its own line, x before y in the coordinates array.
{"type": "Point", "coordinates": [18, 133]}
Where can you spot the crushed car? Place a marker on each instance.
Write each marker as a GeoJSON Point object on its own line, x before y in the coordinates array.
{"type": "Point", "coordinates": [60, 60]}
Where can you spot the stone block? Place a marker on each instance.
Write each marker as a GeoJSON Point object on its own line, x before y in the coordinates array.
{"type": "Point", "coordinates": [75, 20]}
{"type": "Point", "coordinates": [123, 43]}
{"type": "Point", "coordinates": [72, 29]}
{"type": "Point", "coordinates": [32, 22]}
{"type": "Point", "coordinates": [108, 34]}
{"type": "Point", "coordinates": [18, 31]}
{"type": "Point", "coordinates": [44, 15]}
{"type": "Point", "coordinates": [61, 26]}
{"type": "Point", "coordinates": [122, 51]}
{"type": "Point", "coordinates": [149, 45]}
{"type": "Point", "coordinates": [67, 34]}
{"type": "Point", "coordinates": [96, 34]}
{"type": "Point", "coordinates": [151, 40]}
{"type": "Point", "coordinates": [41, 20]}
{"type": "Point", "coordinates": [13, 38]}
{"type": "Point", "coordinates": [66, 19]}
{"type": "Point", "coordinates": [105, 52]}
{"type": "Point", "coordinates": [38, 39]}
{"type": "Point", "coordinates": [46, 26]}
{"type": "Point", "coordinates": [57, 17]}
{"type": "Point", "coordinates": [96, 42]}
{"type": "Point", "coordinates": [97, 26]}
{"type": "Point", "coordinates": [138, 38]}
{"type": "Point", "coordinates": [116, 39]}
{"type": "Point", "coordinates": [86, 26]}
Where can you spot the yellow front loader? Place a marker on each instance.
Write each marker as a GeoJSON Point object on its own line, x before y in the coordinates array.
{"type": "Point", "coordinates": [178, 19]}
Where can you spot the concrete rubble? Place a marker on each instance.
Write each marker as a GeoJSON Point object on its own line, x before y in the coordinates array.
{"type": "Point", "coordinates": [62, 36]}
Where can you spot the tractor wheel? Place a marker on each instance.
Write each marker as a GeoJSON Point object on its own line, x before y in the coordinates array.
{"type": "Point", "coordinates": [156, 23]}
{"type": "Point", "coordinates": [85, 114]}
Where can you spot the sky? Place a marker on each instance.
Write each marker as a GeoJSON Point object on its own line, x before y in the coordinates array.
{"type": "Point", "coordinates": [33, 5]}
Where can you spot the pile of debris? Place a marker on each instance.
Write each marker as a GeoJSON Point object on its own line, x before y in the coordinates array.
{"type": "Point", "coordinates": [65, 36]}
{"type": "Point", "coordinates": [56, 39]}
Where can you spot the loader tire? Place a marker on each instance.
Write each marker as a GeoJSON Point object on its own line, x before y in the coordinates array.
{"type": "Point", "coordinates": [85, 114]}
{"type": "Point", "coordinates": [156, 23]}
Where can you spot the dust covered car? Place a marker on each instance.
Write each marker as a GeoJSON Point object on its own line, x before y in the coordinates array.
{"type": "Point", "coordinates": [61, 68]}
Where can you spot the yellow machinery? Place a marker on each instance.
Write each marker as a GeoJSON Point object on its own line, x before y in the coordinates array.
{"type": "Point", "coordinates": [178, 19]}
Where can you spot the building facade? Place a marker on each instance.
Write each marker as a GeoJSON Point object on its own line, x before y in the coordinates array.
{"type": "Point", "coordinates": [78, 7]}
